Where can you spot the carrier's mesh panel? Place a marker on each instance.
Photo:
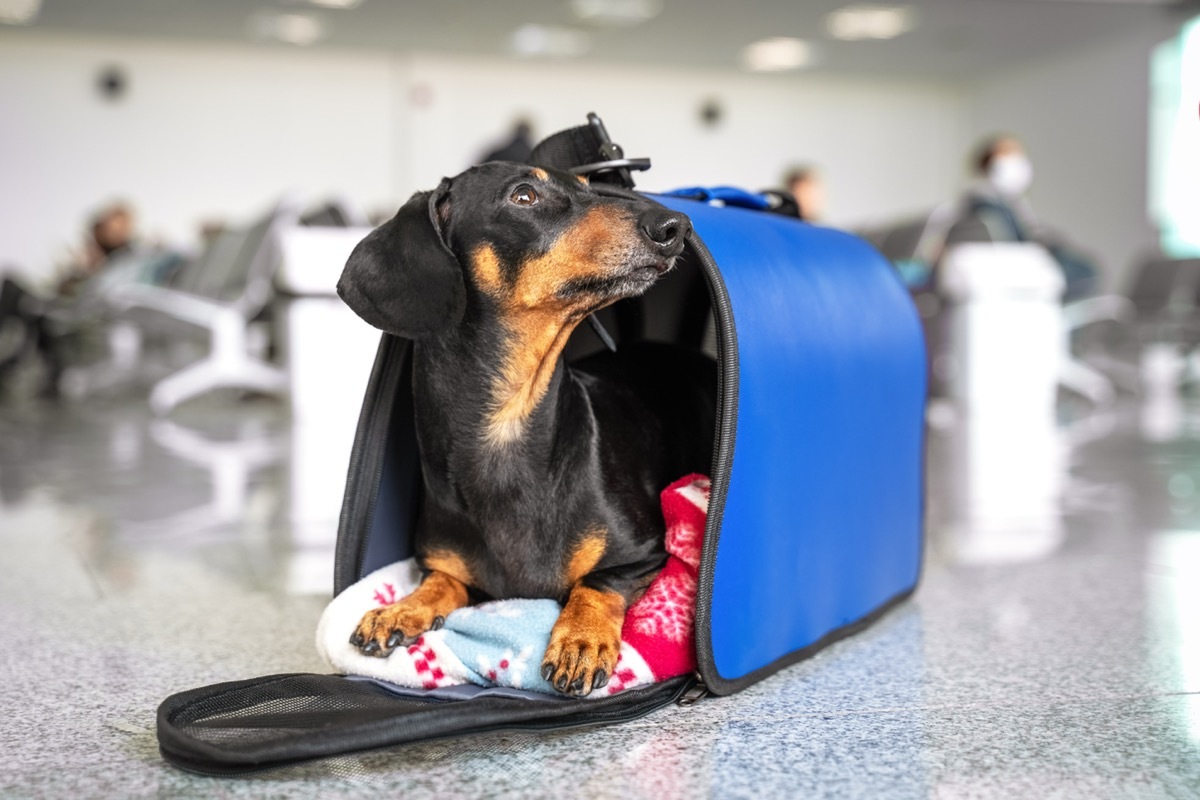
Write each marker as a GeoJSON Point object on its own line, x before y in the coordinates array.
{"type": "Point", "coordinates": [237, 727]}
{"type": "Point", "coordinates": [262, 714]}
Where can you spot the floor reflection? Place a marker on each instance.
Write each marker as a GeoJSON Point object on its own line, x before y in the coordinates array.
{"type": "Point", "coordinates": [1000, 488]}
{"type": "Point", "coordinates": [1173, 574]}
{"type": "Point", "coordinates": [230, 464]}
{"type": "Point", "coordinates": [1051, 647]}
{"type": "Point", "coordinates": [210, 483]}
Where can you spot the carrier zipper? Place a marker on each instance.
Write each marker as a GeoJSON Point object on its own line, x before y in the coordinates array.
{"type": "Point", "coordinates": [393, 367]}
{"type": "Point", "coordinates": [694, 693]}
{"type": "Point", "coordinates": [727, 418]}
{"type": "Point", "coordinates": [354, 515]}
{"type": "Point", "coordinates": [727, 412]}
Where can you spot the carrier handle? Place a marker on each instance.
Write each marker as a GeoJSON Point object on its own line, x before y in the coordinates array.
{"type": "Point", "coordinates": [589, 150]}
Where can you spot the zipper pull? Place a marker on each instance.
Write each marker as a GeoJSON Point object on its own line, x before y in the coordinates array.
{"type": "Point", "coordinates": [696, 692]}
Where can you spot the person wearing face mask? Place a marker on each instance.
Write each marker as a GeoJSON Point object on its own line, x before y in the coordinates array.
{"type": "Point", "coordinates": [995, 210]}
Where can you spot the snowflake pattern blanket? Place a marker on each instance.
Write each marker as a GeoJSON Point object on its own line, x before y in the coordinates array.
{"type": "Point", "coordinates": [501, 643]}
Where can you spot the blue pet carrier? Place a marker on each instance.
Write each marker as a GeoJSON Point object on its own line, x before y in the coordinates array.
{"type": "Point", "coordinates": [815, 524]}
{"type": "Point", "coordinates": [815, 516]}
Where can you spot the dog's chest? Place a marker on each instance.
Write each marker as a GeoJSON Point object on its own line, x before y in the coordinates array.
{"type": "Point", "coordinates": [522, 558]}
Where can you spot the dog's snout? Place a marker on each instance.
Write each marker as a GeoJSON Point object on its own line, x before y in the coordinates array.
{"type": "Point", "coordinates": [665, 229]}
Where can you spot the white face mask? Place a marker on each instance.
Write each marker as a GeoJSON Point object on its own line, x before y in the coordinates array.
{"type": "Point", "coordinates": [1011, 174]}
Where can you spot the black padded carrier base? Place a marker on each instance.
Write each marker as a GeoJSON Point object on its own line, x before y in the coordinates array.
{"type": "Point", "coordinates": [273, 721]}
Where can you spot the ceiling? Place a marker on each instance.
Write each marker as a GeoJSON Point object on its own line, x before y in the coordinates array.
{"type": "Point", "coordinates": [953, 39]}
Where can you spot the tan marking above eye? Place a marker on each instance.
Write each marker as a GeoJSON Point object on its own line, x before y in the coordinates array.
{"type": "Point", "coordinates": [582, 179]}
{"type": "Point", "coordinates": [540, 174]}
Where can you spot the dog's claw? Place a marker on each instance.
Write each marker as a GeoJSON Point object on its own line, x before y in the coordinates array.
{"type": "Point", "coordinates": [396, 638]}
{"type": "Point", "coordinates": [561, 683]}
{"type": "Point", "coordinates": [356, 639]}
{"type": "Point", "coordinates": [600, 679]}
{"type": "Point", "coordinates": [577, 685]}
{"type": "Point", "coordinates": [438, 622]}
{"type": "Point", "coordinates": [547, 672]}
{"type": "Point", "coordinates": [371, 648]}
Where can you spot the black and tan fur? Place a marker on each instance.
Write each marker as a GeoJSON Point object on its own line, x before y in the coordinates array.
{"type": "Point", "coordinates": [540, 479]}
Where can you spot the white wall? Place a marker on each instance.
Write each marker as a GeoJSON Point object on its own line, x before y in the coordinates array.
{"type": "Point", "coordinates": [881, 144]}
{"type": "Point", "coordinates": [204, 132]}
{"type": "Point", "coordinates": [210, 131]}
{"type": "Point", "coordinates": [1084, 118]}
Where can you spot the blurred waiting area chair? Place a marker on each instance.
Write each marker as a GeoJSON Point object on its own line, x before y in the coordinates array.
{"type": "Point", "coordinates": [222, 294]}
{"type": "Point", "coordinates": [227, 294]}
{"type": "Point", "coordinates": [1160, 304]}
{"type": "Point", "coordinates": [1159, 308]}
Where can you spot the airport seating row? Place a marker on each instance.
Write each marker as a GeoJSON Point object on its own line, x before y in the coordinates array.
{"type": "Point", "coordinates": [221, 303]}
{"type": "Point", "coordinates": [1159, 303]}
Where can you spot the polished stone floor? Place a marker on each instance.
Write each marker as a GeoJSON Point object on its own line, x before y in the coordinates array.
{"type": "Point", "coordinates": [1052, 650]}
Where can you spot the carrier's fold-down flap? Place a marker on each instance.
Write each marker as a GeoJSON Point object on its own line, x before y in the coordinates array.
{"type": "Point", "coordinates": [272, 721]}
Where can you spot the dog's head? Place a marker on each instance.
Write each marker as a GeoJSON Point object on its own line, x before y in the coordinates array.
{"type": "Point", "coordinates": [514, 238]}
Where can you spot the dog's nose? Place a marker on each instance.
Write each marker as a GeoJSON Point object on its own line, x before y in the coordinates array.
{"type": "Point", "coordinates": [665, 229]}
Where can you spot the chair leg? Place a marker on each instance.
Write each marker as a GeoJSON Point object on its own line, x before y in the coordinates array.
{"type": "Point", "coordinates": [209, 374]}
{"type": "Point", "coordinates": [1090, 383]}
{"type": "Point", "coordinates": [185, 384]}
{"type": "Point", "coordinates": [228, 365]}
{"type": "Point", "coordinates": [259, 376]}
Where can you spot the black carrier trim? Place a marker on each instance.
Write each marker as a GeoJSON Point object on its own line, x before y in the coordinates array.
{"type": "Point", "coordinates": [722, 468]}
{"type": "Point", "coordinates": [366, 459]}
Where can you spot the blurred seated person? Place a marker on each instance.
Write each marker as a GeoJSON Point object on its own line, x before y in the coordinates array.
{"type": "Point", "coordinates": [111, 238]}
{"type": "Point", "coordinates": [31, 323]}
{"type": "Point", "coordinates": [808, 190]}
{"type": "Point", "coordinates": [803, 195]}
{"type": "Point", "coordinates": [112, 255]}
{"type": "Point", "coordinates": [519, 148]}
{"type": "Point", "coordinates": [994, 209]}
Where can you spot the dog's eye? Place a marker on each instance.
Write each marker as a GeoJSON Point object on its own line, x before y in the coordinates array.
{"type": "Point", "coordinates": [524, 195]}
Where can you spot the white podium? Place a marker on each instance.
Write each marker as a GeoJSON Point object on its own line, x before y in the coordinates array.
{"type": "Point", "coordinates": [1005, 327]}
{"type": "Point", "coordinates": [328, 352]}
{"type": "Point", "coordinates": [1005, 333]}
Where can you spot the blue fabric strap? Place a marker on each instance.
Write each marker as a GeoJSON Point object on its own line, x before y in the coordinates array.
{"type": "Point", "coordinates": [729, 195]}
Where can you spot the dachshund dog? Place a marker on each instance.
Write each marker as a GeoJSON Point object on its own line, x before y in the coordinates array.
{"type": "Point", "coordinates": [539, 479]}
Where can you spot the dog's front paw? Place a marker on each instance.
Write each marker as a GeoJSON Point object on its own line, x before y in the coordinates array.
{"type": "Point", "coordinates": [585, 642]}
{"type": "Point", "coordinates": [382, 630]}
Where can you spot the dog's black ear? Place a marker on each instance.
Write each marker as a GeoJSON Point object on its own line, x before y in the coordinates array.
{"type": "Point", "coordinates": [402, 278]}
